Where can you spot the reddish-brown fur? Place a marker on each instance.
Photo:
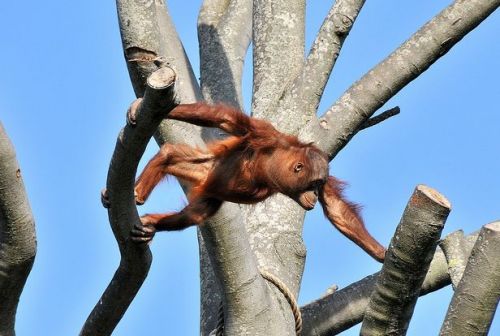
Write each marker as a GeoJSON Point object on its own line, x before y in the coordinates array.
{"type": "Point", "coordinates": [253, 163]}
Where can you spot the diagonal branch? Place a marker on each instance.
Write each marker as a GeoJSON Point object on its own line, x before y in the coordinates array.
{"type": "Point", "coordinates": [456, 256]}
{"type": "Point", "coordinates": [406, 263]}
{"type": "Point", "coordinates": [173, 54]}
{"type": "Point", "coordinates": [17, 235]}
{"type": "Point", "coordinates": [135, 259]}
{"type": "Point", "coordinates": [329, 316]}
{"type": "Point", "coordinates": [224, 33]}
{"type": "Point", "coordinates": [307, 89]}
{"type": "Point", "coordinates": [379, 118]}
{"type": "Point", "coordinates": [363, 98]}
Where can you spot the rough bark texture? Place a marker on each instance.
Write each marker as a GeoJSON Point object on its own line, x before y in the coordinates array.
{"type": "Point", "coordinates": [136, 259]}
{"type": "Point", "coordinates": [17, 235]}
{"type": "Point", "coordinates": [334, 130]}
{"type": "Point", "coordinates": [329, 316]}
{"type": "Point", "coordinates": [406, 263]}
{"type": "Point", "coordinates": [305, 93]}
{"type": "Point", "coordinates": [278, 52]}
{"type": "Point", "coordinates": [476, 297]}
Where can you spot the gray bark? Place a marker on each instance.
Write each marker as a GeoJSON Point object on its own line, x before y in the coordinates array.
{"type": "Point", "coordinates": [337, 126]}
{"type": "Point", "coordinates": [406, 263]}
{"type": "Point", "coordinates": [455, 256]}
{"type": "Point", "coordinates": [476, 297]}
{"type": "Point", "coordinates": [278, 52]}
{"type": "Point", "coordinates": [305, 93]}
{"type": "Point", "coordinates": [136, 259]}
{"type": "Point", "coordinates": [17, 235]}
{"type": "Point", "coordinates": [329, 316]}
{"type": "Point", "coordinates": [224, 34]}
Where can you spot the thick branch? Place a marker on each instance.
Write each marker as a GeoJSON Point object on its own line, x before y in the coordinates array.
{"type": "Point", "coordinates": [140, 40]}
{"type": "Point", "coordinates": [406, 263]}
{"type": "Point", "coordinates": [278, 51]}
{"type": "Point", "coordinates": [476, 298]}
{"type": "Point", "coordinates": [135, 259]}
{"type": "Point", "coordinates": [172, 51]}
{"type": "Point", "coordinates": [245, 293]}
{"type": "Point", "coordinates": [224, 33]}
{"type": "Point", "coordinates": [307, 89]}
{"type": "Point", "coordinates": [456, 256]}
{"type": "Point", "coordinates": [381, 83]}
{"type": "Point", "coordinates": [17, 235]}
{"type": "Point", "coordinates": [329, 316]}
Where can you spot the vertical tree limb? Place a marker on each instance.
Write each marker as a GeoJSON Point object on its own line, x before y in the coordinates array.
{"type": "Point", "coordinates": [158, 100]}
{"type": "Point", "coordinates": [17, 235]}
{"type": "Point", "coordinates": [140, 39]}
{"type": "Point", "coordinates": [278, 51]}
{"type": "Point", "coordinates": [307, 89]}
{"type": "Point", "coordinates": [476, 297]}
{"type": "Point", "coordinates": [406, 263]}
{"type": "Point", "coordinates": [224, 33]}
{"type": "Point", "coordinates": [413, 57]}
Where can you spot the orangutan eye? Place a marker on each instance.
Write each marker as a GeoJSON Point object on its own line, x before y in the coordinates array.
{"type": "Point", "coordinates": [298, 167]}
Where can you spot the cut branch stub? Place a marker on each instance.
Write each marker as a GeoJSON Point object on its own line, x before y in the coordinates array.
{"type": "Point", "coordinates": [476, 298]}
{"type": "Point", "coordinates": [329, 316]}
{"type": "Point", "coordinates": [158, 100]}
{"type": "Point", "coordinates": [406, 264]}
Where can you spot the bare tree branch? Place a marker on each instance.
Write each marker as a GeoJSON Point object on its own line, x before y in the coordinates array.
{"type": "Point", "coordinates": [456, 256]}
{"type": "Point", "coordinates": [307, 89]}
{"type": "Point", "coordinates": [172, 50]}
{"type": "Point", "coordinates": [140, 39]}
{"type": "Point", "coordinates": [17, 235]}
{"type": "Point", "coordinates": [425, 47]}
{"type": "Point", "coordinates": [278, 52]}
{"type": "Point", "coordinates": [329, 316]}
{"type": "Point", "coordinates": [159, 99]}
{"type": "Point", "coordinates": [406, 263]}
{"type": "Point", "coordinates": [245, 293]}
{"type": "Point", "coordinates": [379, 118]}
{"type": "Point", "coordinates": [224, 33]}
{"type": "Point", "coordinates": [476, 298]}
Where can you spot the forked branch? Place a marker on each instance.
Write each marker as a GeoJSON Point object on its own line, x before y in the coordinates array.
{"type": "Point", "coordinates": [363, 98]}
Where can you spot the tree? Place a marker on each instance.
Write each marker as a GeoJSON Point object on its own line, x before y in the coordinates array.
{"type": "Point", "coordinates": [286, 90]}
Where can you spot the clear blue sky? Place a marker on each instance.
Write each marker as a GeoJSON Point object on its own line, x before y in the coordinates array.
{"type": "Point", "coordinates": [64, 91]}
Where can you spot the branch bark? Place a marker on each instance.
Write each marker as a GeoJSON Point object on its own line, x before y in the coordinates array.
{"type": "Point", "coordinates": [337, 126]}
{"type": "Point", "coordinates": [17, 235]}
{"type": "Point", "coordinates": [329, 316]}
{"type": "Point", "coordinates": [136, 259]}
{"type": "Point", "coordinates": [140, 39]}
{"type": "Point", "coordinates": [224, 34]}
{"type": "Point", "coordinates": [406, 263]}
{"type": "Point", "coordinates": [476, 297]}
{"type": "Point", "coordinates": [455, 256]}
{"type": "Point", "coordinates": [307, 89]}
{"type": "Point", "coordinates": [278, 52]}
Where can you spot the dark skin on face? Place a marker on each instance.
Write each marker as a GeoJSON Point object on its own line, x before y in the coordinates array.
{"type": "Point", "coordinates": [253, 163]}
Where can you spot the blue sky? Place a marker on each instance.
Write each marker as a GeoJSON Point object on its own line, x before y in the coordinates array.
{"type": "Point", "coordinates": [64, 91]}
